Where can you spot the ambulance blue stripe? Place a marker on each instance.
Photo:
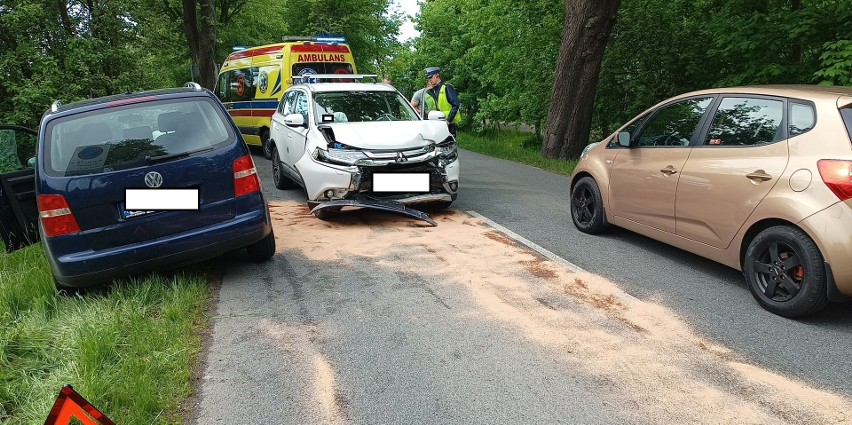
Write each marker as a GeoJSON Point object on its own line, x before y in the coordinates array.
{"type": "Point", "coordinates": [255, 105]}
{"type": "Point", "coordinates": [277, 87]}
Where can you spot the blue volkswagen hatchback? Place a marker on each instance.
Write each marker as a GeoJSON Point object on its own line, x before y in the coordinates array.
{"type": "Point", "coordinates": [132, 183]}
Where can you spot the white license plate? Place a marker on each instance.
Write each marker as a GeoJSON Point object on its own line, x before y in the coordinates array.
{"type": "Point", "coordinates": [160, 199]}
{"type": "Point", "coordinates": [400, 182]}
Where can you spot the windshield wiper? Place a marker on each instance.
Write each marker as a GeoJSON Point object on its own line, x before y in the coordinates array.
{"type": "Point", "coordinates": [161, 158]}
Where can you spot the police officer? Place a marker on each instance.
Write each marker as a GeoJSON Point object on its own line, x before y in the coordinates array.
{"type": "Point", "coordinates": [445, 97]}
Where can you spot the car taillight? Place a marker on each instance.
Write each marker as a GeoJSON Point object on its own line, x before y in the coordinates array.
{"type": "Point", "coordinates": [56, 216]}
{"type": "Point", "coordinates": [245, 176]}
{"type": "Point", "coordinates": [837, 175]}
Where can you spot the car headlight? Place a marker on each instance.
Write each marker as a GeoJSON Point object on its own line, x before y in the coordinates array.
{"type": "Point", "coordinates": [447, 148]}
{"type": "Point", "coordinates": [340, 156]}
{"type": "Point", "coordinates": [586, 150]}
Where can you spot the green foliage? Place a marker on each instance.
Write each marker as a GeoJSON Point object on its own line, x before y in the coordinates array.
{"type": "Point", "coordinates": [660, 48]}
{"type": "Point", "coordinates": [514, 146]}
{"type": "Point", "coordinates": [499, 55]}
{"type": "Point", "coordinates": [128, 351]}
{"type": "Point", "coordinates": [836, 64]}
{"type": "Point", "coordinates": [94, 52]}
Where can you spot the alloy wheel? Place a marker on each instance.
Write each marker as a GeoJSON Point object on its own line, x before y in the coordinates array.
{"type": "Point", "coordinates": [778, 271]}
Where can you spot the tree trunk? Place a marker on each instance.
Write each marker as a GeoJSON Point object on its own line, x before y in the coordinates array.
{"type": "Point", "coordinates": [588, 24]}
{"type": "Point", "coordinates": [798, 45]}
{"type": "Point", "coordinates": [201, 36]}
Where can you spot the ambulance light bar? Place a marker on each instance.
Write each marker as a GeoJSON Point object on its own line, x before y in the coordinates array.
{"type": "Point", "coordinates": [330, 39]}
{"type": "Point", "coordinates": [296, 38]}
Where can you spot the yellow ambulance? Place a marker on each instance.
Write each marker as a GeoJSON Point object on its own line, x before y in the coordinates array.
{"type": "Point", "coordinates": [251, 81]}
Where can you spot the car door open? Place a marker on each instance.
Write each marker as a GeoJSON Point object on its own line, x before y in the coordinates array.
{"type": "Point", "coordinates": [18, 211]}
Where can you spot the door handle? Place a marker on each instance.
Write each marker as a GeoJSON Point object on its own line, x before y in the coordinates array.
{"type": "Point", "coordinates": [759, 175]}
{"type": "Point", "coordinates": [669, 170]}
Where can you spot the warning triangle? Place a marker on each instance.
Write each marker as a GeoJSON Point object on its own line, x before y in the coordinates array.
{"type": "Point", "coordinates": [70, 405]}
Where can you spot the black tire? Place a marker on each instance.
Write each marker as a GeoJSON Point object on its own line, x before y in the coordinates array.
{"type": "Point", "coordinates": [265, 145]}
{"type": "Point", "coordinates": [587, 209]}
{"type": "Point", "coordinates": [263, 249]}
{"type": "Point", "coordinates": [785, 272]}
{"type": "Point", "coordinates": [278, 176]}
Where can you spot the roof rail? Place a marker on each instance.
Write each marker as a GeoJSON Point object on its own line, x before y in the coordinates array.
{"type": "Point", "coordinates": [55, 106]}
{"type": "Point", "coordinates": [333, 78]}
{"type": "Point", "coordinates": [193, 85]}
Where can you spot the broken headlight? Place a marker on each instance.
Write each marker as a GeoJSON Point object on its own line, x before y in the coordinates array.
{"type": "Point", "coordinates": [447, 149]}
{"type": "Point", "coordinates": [340, 154]}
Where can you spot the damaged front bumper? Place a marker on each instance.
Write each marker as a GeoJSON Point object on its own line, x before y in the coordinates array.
{"type": "Point", "coordinates": [318, 208]}
{"type": "Point", "coordinates": [326, 181]}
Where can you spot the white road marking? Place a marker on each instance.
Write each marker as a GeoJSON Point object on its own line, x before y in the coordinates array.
{"type": "Point", "coordinates": [529, 244]}
{"type": "Point", "coordinates": [539, 249]}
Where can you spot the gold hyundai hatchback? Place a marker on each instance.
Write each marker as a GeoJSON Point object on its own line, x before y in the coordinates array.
{"type": "Point", "coordinates": [756, 178]}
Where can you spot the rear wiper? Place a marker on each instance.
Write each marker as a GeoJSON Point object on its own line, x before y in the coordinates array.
{"type": "Point", "coordinates": [161, 158]}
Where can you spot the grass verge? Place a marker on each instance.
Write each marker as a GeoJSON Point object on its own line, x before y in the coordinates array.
{"type": "Point", "coordinates": [128, 350]}
{"type": "Point", "coordinates": [514, 146]}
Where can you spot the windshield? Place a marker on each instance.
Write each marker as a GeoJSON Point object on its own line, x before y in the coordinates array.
{"type": "Point", "coordinates": [125, 137]}
{"type": "Point", "coordinates": [359, 106]}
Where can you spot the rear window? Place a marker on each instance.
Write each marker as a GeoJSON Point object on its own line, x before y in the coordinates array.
{"type": "Point", "coordinates": [802, 118]}
{"type": "Point", "coordinates": [846, 113]}
{"type": "Point", "coordinates": [302, 68]}
{"type": "Point", "coordinates": [131, 136]}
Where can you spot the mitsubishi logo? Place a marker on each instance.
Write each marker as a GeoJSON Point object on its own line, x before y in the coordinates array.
{"type": "Point", "coordinates": [400, 158]}
{"type": "Point", "coordinates": [153, 179]}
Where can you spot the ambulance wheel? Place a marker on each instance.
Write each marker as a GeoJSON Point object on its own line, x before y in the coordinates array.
{"type": "Point", "coordinates": [265, 145]}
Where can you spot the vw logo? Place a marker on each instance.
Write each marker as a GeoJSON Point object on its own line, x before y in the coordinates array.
{"type": "Point", "coordinates": [153, 179]}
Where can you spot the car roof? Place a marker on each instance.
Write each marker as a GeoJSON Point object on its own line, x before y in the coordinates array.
{"type": "Point", "coordinates": [337, 87]}
{"type": "Point", "coordinates": [811, 92]}
{"type": "Point", "coordinates": [96, 103]}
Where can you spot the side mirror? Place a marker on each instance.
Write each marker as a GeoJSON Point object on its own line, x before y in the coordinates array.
{"type": "Point", "coordinates": [624, 138]}
{"type": "Point", "coordinates": [436, 115]}
{"type": "Point", "coordinates": [294, 120]}
{"type": "Point", "coordinates": [31, 162]}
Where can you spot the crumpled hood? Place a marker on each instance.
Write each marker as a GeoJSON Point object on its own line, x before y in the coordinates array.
{"type": "Point", "coordinates": [389, 134]}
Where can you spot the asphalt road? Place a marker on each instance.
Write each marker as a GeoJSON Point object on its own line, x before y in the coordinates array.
{"type": "Point", "coordinates": [711, 297]}
{"type": "Point", "coordinates": [385, 339]}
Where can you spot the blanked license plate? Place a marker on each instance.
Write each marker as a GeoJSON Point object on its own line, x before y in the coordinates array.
{"type": "Point", "coordinates": [401, 182]}
{"type": "Point", "coordinates": [160, 199]}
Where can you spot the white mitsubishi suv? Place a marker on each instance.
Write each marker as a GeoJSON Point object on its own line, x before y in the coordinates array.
{"type": "Point", "coordinates": [360, 144]}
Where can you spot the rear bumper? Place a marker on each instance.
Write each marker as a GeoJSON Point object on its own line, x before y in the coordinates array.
{"type": "Point", "coordinates": [89, 268]}
{"type": "Point", "coordinates": [831, 229]}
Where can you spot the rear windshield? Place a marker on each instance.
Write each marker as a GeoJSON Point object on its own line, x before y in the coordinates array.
{"type": "Point", "coordinates": [846, 113]}
{"type": "Point", "coordinates": [133, 136]}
